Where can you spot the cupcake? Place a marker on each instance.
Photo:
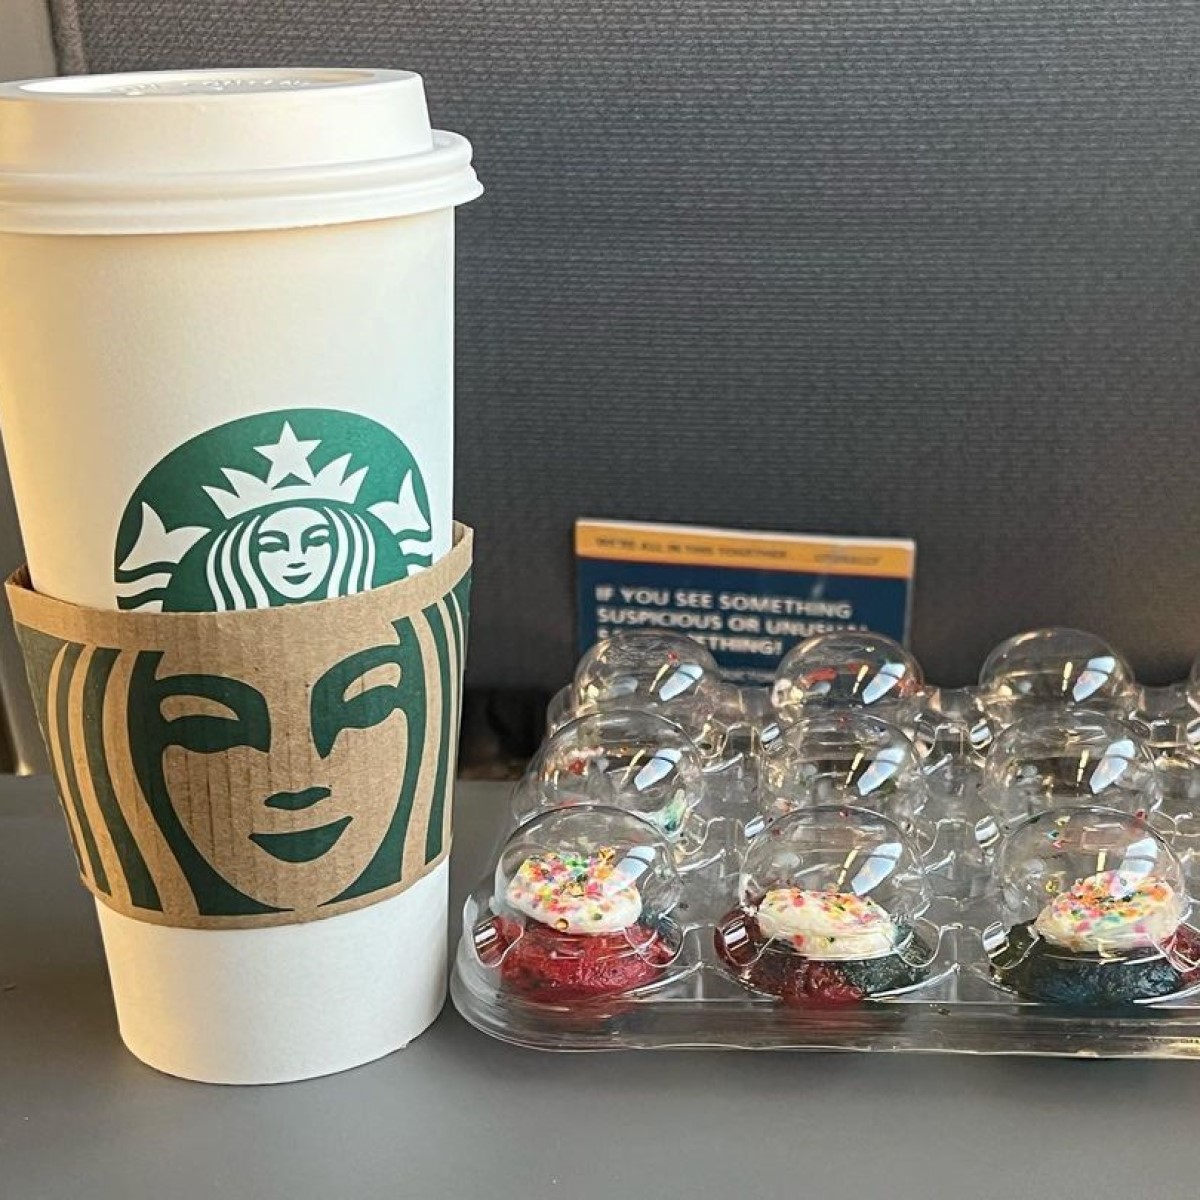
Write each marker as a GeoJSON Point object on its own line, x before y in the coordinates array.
{"type": "Point", "coordinates": [580, 908]}
{"type": "Point", "coordinates": [829, 902]}
{"type": "Point", "coordinates": [1102, 934]}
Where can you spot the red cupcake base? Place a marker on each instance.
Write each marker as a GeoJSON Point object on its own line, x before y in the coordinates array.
{"type": "Point", "coordinates": [549, 967]}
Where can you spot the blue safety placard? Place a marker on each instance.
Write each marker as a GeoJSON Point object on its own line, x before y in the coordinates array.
{"type": "Point", "coordinates": [748, 597]}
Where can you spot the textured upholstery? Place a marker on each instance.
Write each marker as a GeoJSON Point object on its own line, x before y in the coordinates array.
{"type": "Point", "coordinates": [926, 268]}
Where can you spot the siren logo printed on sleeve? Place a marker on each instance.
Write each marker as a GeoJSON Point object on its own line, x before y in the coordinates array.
{"type": "Point", "coordinates": [216, 796]}
{"type": "Point", "coordinates": [277, 508]}
{"type": "Point", "coordinates": [204, 784]}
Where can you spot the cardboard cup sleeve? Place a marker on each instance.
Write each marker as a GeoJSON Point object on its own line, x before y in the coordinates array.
{"type": "Point", "coordinates": [262, 767]}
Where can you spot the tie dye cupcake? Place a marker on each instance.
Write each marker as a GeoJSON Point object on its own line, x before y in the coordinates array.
{"type": "Point", "coordinates": [830, 910]}
{"type": "Point", "coordinates": [1097, 912]}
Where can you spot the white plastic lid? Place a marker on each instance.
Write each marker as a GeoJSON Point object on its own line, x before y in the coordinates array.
{"type": "Point", "coordinates": [197, 151]}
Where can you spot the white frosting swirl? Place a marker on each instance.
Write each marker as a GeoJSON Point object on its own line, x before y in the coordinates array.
{"type": "Point", "coordinates": [833, 926]}
{"type": "Point", "coordinates": [1112, 912]}
{"type": "Point", "coordinates": [579, 893]}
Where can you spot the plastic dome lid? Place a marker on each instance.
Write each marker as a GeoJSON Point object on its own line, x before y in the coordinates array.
{"type": "Point", "coordinates": [1054, 667]}
{"type": "Point", "coordinates": [587, 870]}
{"type": "Point", "coordinates": [636, 761]}
{"type": "Point", "coordinates": [861, 857]}
{"type": "Point", "coordinates": [1093, 879]}
{"type": "Point", "coordinates": [1056, 757]}
{"type": "Point", "coordinates": [839, 756]}
{"type": "Point", "coordinates": [667, 673]}
{"type": "Point", "coordinates": [852, 670]}
{"type": "Point", "coordinates": [192, 151]}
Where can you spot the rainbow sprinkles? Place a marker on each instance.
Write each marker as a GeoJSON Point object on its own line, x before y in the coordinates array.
{"type": "Point", "coordinates": [829, 926]}
{"type": "Point", "coordinates": [580, 893]}
{"type": "Point", "coordinates": [1112, 912]}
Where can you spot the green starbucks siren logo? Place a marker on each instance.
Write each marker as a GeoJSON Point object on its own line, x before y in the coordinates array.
{"type": "Point", "coordinates": [279, 508]}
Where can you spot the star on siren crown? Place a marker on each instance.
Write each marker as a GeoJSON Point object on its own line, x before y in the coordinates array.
{"type": "Point", "coordinates": [290, 478]}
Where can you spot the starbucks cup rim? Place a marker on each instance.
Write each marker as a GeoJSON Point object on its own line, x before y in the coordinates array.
{"type": "Point", "coordinates": [223, 151]}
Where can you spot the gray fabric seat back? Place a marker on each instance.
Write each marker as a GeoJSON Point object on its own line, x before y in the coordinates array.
{"type": "Point", "coordinates": [924, 269]}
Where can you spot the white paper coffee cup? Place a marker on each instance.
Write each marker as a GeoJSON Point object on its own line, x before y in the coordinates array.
{"type": "Point", "coordinates": [226, 335]}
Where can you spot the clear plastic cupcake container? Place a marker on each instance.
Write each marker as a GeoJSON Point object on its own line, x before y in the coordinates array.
{"type": "Point", "coordinates": [667, 674]}
{"type": "Point", "coordinates": [579, 911]}
{"type": "Point", "coordinates": [847, 757]}
{"type": "Point", "coordinates": [1095, 913]}
{"type": "Point", "coordinates": [850, 858]}
{"type": "Point", "coordinates": [1055, 669]}
{"type": "Point", "coordinates": [843, 756]}
{"type": "Point", "coordinates": [830, 912]}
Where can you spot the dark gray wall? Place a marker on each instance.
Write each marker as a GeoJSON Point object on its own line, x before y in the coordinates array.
{"type": "Point", "coordinates": [921, 267]}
